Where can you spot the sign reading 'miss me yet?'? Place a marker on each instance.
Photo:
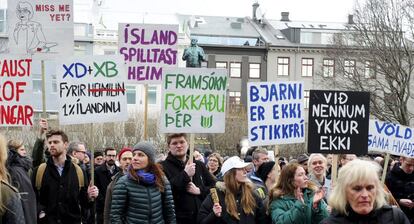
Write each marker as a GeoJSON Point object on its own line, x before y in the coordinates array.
{"type": "Point", "coordinates": [193, 100]}
{"type": "Point", "coordinates": [275, 113]}
{"type": "Point", "coordinates": [147, 49]}
{"type": "Point", "coordinates": [91, 90]}
{"type": "Point", "coordinates": [391, 138]}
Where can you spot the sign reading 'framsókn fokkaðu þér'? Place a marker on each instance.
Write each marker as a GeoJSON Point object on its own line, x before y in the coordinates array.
{"type": "Point", "coordinates": [338, 122]}
{"type": "Point", "coordinates": [193, 100]}
{"type": "Point", "coordinates": [275, 113]}
{"type": "Point", "coordinates": [91, 90]}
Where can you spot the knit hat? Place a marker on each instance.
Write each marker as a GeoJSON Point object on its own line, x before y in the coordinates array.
{"type": "Point", "coordinates": [264, 170]}
{"type": "Point", "coordinates": [147, 148]}
{"type": "Point", "coordinates": [302, 158]}
{"type": "Point", "coordinates": [97, 153]}
{"type": "Point", "coordinates": [123, 150]}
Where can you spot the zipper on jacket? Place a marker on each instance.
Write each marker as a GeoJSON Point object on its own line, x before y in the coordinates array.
{"type": "Point", "coordinates": [149, 206]}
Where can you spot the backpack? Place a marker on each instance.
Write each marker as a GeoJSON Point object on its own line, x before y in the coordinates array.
{"type": "Point", "coordinates": [41, 171]}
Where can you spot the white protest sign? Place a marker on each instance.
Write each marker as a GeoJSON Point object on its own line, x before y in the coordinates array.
{"type": "Point", "coordinates": [148, 49]}
{"type": "Point", "coordinates": [40, 29]}
{"type": "Point", "coordinates": [91, 90]}
{"type": "Point", "coordinates": [16, 92]}
{"type": "Point", "coordinates": [193, 100]}
{"type": "Point", "coordinates": [391, 138]}
{"type": "Point", "coordinates": [275, 113]}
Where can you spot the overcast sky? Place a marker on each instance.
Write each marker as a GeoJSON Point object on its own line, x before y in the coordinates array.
{"type": "Point", "coordinates": [300, 10]}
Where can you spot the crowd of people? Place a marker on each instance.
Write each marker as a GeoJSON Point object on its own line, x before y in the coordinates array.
{"type": "Point", "coordinates": [58, 185]}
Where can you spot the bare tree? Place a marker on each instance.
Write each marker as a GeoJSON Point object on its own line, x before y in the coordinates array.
{"type": "Point", "coordinates": [375, 54]}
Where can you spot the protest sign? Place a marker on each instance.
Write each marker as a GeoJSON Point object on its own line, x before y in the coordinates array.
{"type": "Point", "coordinates": [338, 122]}
{"type": "Point", "coordinates": [275, 113]}
{"type": "Point", "coordinates": [15, 92]}
{"type": "Point", "coordinates": [91, 90]}
{"type": "Point", "coordinates": [40, 29]}
{"type": "Point", "coordinates": [391, 138]}
{"type": "Point", "coordinates": [147, 49]}
{"type": "Point", "coordinates": [193, 100]}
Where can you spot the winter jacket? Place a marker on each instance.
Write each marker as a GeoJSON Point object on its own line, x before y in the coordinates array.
{"type": "Point", "coordinates": [134, 202]}
{"type": "Point", "coordinates": [19, 168]}
{"type": "Point", "coordinates": [186, 204]}
{"type": "Point", "coordinates": [287, 209]}
{"type": "Point", "coordinates": [13, 206]}
{"type": "Point", "coordinates": [401, 186]}
{"type": "Point", "coordinates": [384, 215]}
{"type": "Point", "coordinates": [102, 179]}
{"type": "Point", "coordinates": [326, 184]}
{"type": "Point", "coordinates": [207, 216]}
{"type": "Point", "coordinates": [108, 197]}
{"type": "Point", "coordinates": [59, 196]}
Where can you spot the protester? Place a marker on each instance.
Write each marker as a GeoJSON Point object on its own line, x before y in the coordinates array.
{"type": "Point", "coordinates": [144, 194]}
{"type": "Point", "coordinates": [400, 181]}
{"type": "Point", "coordinates": [98, 157]}
{"type": "Point", "coordinates": [269, 173]}
{"type": "Point", "coordinates": [40, 152]}
{"type": "Point", "coordinates": [237, 201]}
{"type": "Point", "coordinates": [345, 158]}
{"type": "Point", "coordinates": [60, 191]}
{"type": "Point", "coordinates": [87, 159]}
{"type": "Point", "coordinates": [259, 156]}
{"type": "Point", "coordinates": [190, 182]}
{"type": "Point", "coordinates": [214, 164]}
{"type": "Point", "coordinates": [198, 156]}
{"type": "Point", "coordinates": [303, 161]}
{"type": "Point", "coordinates": [358, 197]}
{"type": "Point", "coordinates": [19, 167]}
{"type": "Point", "coordinates": [77, 151]}
{"type": "Point", "coordinates": [124, 158]}
{"type": "Point", "coordinates": [294, 199]}
{"type": "Point", "coordinates": [11, 210]}
{"type": "Point", "coordinates": [317, 166]}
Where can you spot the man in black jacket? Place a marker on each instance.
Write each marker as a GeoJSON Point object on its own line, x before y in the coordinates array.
{"type": "Point", "coordinates": [190, 182]}
{"type": "Point", "coordinates": [60, 196]}
{"type": "Point", "coordinates": [400, 181]}
{"type": "Point", "coordinates": [103, 176]}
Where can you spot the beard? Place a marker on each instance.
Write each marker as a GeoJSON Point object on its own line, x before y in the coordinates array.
{"type": "Point", "coordinates": [110, 162]}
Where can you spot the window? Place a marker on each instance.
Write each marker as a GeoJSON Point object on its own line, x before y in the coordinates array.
{"type": "Point", "coordinates": [235, 69]}
{"type": "Point", "coordinates": [37, 83]}
{"type": "Point", "coordinates": [307, 67]}
{"type": "Point", "coordinates": [234, 97]}
{"type": "Point", "coordinates": [282, 66]}
{"type": "Point", "coordinates": [306, 94]}
{"type": "Point", "coordinates": [369, 70]}
{"type": "Point", "coordinates": [79, 49]}
{"type": "Point", "coordinates": [349, 68]}
{"type": "Point", "coordinates": [131, 95]}
{"type": "Point", "coordinates": [2, 20]}
{"type": "Point", "coordinates": [152, 95]}
{"type": "Point", "coordinates": [221, 65]}
{"type": "Point", "coordinates": [328, 67]}
{"type": "Point", "coordinates": [254, 70]}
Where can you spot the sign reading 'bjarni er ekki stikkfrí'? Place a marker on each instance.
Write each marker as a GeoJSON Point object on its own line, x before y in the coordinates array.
{"type": "Point", "coordinates": [193, 100]}
{"type": "Point", "coordinates": [338, 122]}
{"type": "Point", "coordinates": [91, 90]}
{"type": "Point", "coordinates": [275, 113]}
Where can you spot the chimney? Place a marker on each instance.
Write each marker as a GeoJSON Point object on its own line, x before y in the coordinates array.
{"type": "Point", "coordinates": [351, 19]}
{"type": "Point", "coordinates": [255, 6]}
{"type": "Point", "coordinates": [285, 17]}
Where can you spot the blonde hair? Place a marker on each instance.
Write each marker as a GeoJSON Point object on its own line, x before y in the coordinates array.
{"type": "Point", "coordinates": [354, 172]}
{"type": "Point", "coordinates": [3, 171]}
{"type": "Point", "coordinates": [314, 156]}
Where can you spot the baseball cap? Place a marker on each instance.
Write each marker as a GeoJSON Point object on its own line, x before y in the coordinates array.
{"type": "Point", "coordinates": [233, 162]}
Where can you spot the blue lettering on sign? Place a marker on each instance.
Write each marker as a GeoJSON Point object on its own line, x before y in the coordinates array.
{"type": "Point", "coordinates": [79, 70]}
{"type": "Point", "coordinates": [254, 94]}
{"type": "Point", "coordinates": [257, 113]}
{"type": "Point", "coordinates": [390, 129]}
{"type": "Point", "coordinates": [278, 131]}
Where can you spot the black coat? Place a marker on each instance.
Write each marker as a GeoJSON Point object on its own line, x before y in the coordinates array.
{"type": "Point", "coordinates": [102, 179]}
{"type": "Point", "coordinates": [401, 186]}
{"type": "Point", "coordinates": [186, 204]}
{"type": "Point", "coordinates": [384, 215]}
{"type": "Point", "coordinates": [60, 197]}
{"type": "Point", "coordinates": [19, 167]}
{"type": "Point", "coordinates": [13, 213]}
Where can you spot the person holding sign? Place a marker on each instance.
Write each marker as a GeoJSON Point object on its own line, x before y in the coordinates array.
{"type": "Point", "coordinates": [237, 202]}
{"type": "Point", "coordinates": [295, 199]}
{"type": "Point", "coordinates": [317, 167]}
{"type": "Point", "coordinates": [190, 182]}
{"type": "Point", "coordinates": [358, 197]}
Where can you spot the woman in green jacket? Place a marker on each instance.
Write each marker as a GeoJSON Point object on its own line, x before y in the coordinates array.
{"type": "Point", "coordinates": [295, 199]}
{"type": "Point", "coordinates": [144, 194]}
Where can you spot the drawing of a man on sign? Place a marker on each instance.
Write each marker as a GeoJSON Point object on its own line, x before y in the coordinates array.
{"type": "Point", "coordinates": [29, 33]}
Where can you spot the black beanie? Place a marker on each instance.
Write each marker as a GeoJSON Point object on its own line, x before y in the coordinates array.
{"type": "Point", "coordinates": [264, 170]}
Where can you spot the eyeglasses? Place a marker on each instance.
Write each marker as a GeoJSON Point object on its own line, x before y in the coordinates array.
{"type": "Point", "coordinates": [84, 152]}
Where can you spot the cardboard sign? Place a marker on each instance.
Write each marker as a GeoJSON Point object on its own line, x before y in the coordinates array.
{"type": "Point", "coordinates": [147, 48]}
{"type": "Point", "coordinates": [391, 138]}
{"type": "Point", "coordinates": [193, 100]}
{"type": "Point", "coordinates": [338, 122]}
{"type": "Point", "coordinates": [275, 113]}
{"type": "Point", "coordinates": [16, 92]}
{"type": "Point", "coordinates": [91, 90]}
{"type": "Point", "coordinates": [40, 29]}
